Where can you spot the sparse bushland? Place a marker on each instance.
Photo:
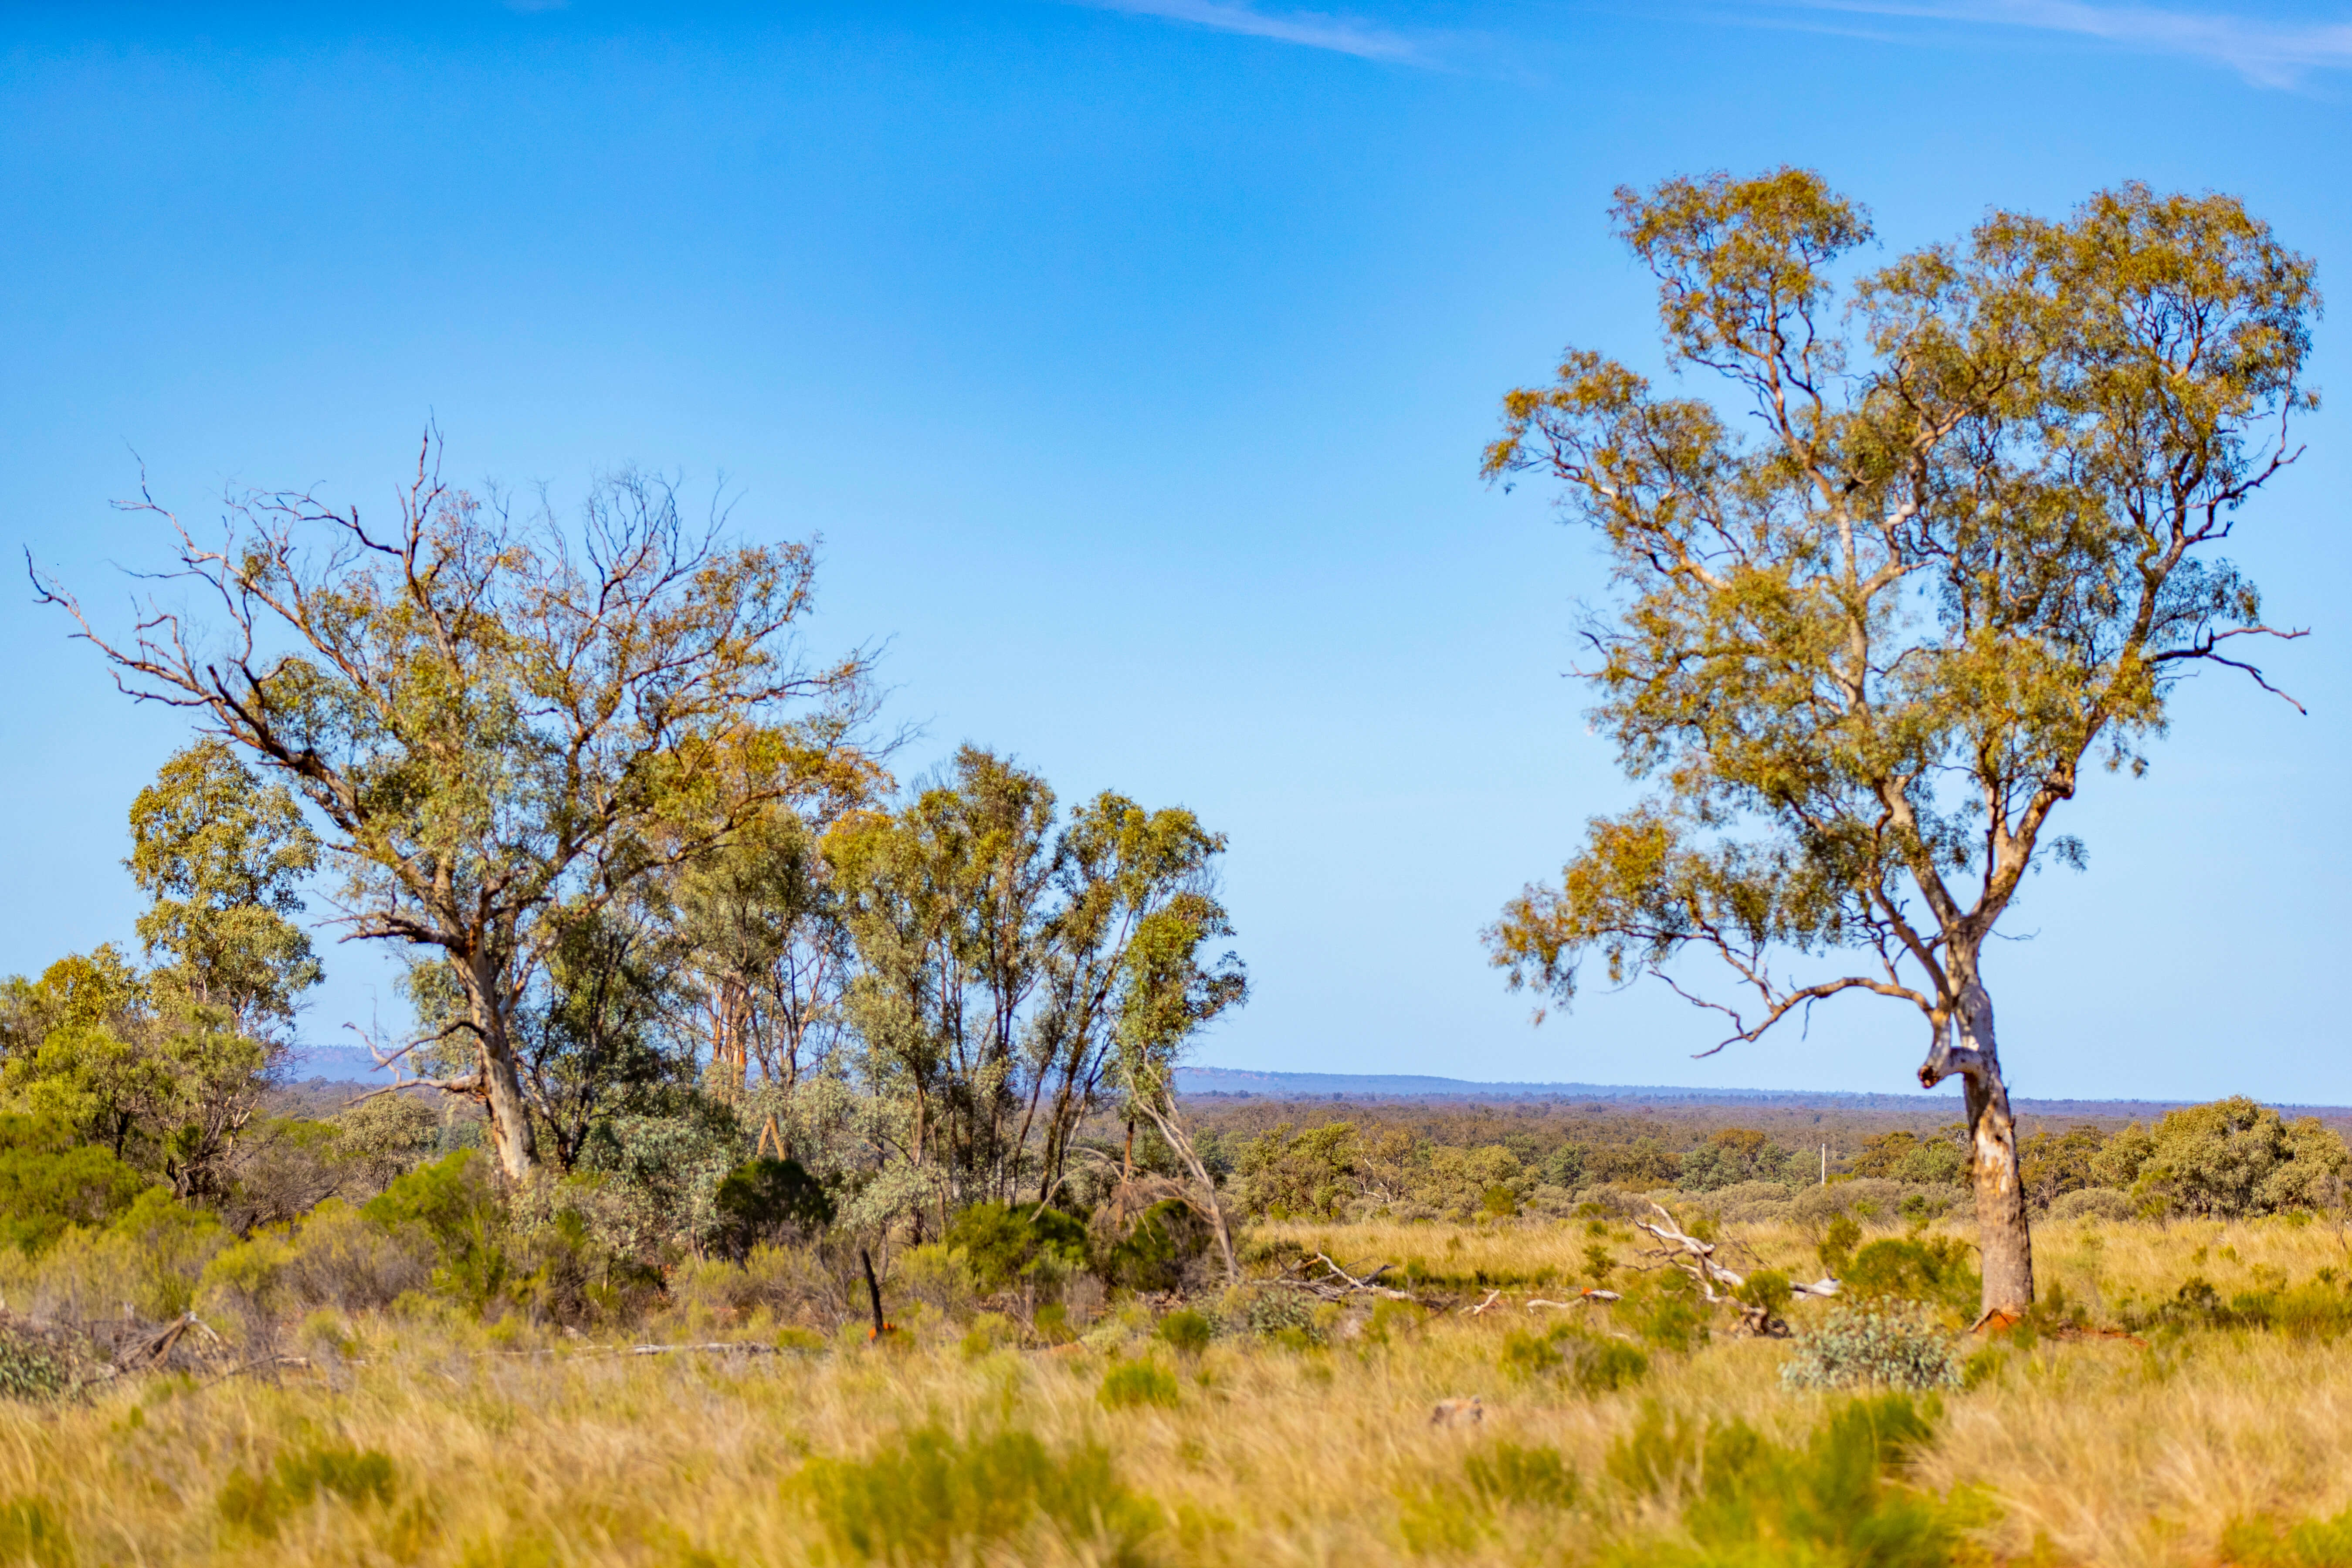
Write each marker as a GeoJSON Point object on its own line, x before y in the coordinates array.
{"type": "Point", "coordinates": [2180, 1397]}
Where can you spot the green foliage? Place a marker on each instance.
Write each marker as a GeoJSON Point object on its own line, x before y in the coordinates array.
{"type": "Point", "coordinates": [1837, 1245]}
{"type": "Point", "coordinates": [1509, 1476]}
{"type": "Point", "coordinates": [1137, 1383]}
{"type": "Point", "coordinates": [930, 1498]}
{"type": "Point", "coordinates": [1883, 1344]}
{"type": "Point", "coordinates": [47, 1182]}
{"type": "Point", "coordinates": [2053, 1164]}
{"type": "Point", "coordinates": [1154, 1255]}
{"type": "Point", "coordinates": [31, 1533]}
{"type": "Point", "coordinates": [1750, 1501]}
{"type": "Point", "coordinates": [1285, 1173]}
{"type": "Point", "coordinates": [1732, 1155]}
{"type": "Point", "coordinates": [30, 1370]}
{"type": "Point", "coordinates": [260, 1504]}
{"type": "Point", "coordinates": [222, 856]}
{"type": "Point", "coordinates": [1903, 1155]}
{"type": "Point", "coordinates": [1186, 1331]}
{"type": "Point", "coordinates": [1768, 1288]}
{"type": "Point", "coordinates": [1003, 1243]}
{"type": "Point", "coordinates": [1936, 1270]}
{"type": "Point", "coordinates": [2308, 1543]}
{"type": "Point", "coordinates": [2229, 1159]}
{"type": "Point", "coordinates": [767, 1201]}
{"type": "Point", "coordinates": [2319, 1308]}
{"type": "Point", "coordinates": [1670, 1321]}
{"type": "Point", "coordinates": [454, 1204]}
{"type": "Point", "coordinates": [1284, 1317]}
{"type": "Point", "coordinates": [1595, 1363]}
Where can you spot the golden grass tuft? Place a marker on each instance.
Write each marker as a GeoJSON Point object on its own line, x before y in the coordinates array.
{"type": "Point", "coordinates": [543, 1449]}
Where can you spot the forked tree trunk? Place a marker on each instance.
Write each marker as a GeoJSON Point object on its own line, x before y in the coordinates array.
{"type": "Point", "coordinates": [509, 1112]}
{"type": "Point", "coordinates": [2003, 1239]}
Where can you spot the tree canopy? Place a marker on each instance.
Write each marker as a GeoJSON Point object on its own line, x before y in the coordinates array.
{"type": "Point", "coordinates": [1944, 546]}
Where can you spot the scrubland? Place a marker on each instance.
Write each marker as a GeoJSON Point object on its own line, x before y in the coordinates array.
{"type": "Point", "coordinates": [2183, 1398]}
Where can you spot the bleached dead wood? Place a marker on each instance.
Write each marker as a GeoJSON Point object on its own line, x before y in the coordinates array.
{"type": "Point", "coordinates": [1698, 1258]}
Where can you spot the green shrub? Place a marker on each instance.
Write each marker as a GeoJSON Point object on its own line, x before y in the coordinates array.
{"type": "Point", "coordinates": [28, 1369]}
{"type": "Point", "coordinates": [1768, 1288]}
{"type": "Point", "coordinates": [1609, 1365]}
{"type": "Point", "coordinates": [1593, 1362]}
{"type": "Point", "coordinates": [454, 1204]}
{"type": "Point", "coordinates": [2320, 1309]}
{"type": "Point", "coordinates": [47, 1183]}
{"type": "Point", "coordinates": [929, 1498]}
{"type": "Point", "coordinates": [1883, 1344]}
{"type": "Point", "coordinates": [1152, 1256]}
{"type": "Point", "coordinates": [1936, 1270]}
{"type": "Point", "coordinates": [1749, 1500]}
{"type": "Point", "coordinates": [1837, 1245]}
{"type": "Point", "coordinates": [1282, 1316]}
{"type": "Point", "coordinates": [1187, 1333]}
{"type": "Point", "coordinates": [1672, 1320]}
{"type": "Point", "coordinates": [30, 1533]}
{"type": "Point", "coordinates": [1509, 1475]}
{"type": "Point", "coordinates": [260, 1504]}
{"type": "Point", "coordinates": [1136, 1384]}
{"type": "Point", "coordinates": [768, 1202]}
{"type": "Point", "coordinates": [1001, 1242]}
{"type": "Point", "coordinates": [2312, 1543]}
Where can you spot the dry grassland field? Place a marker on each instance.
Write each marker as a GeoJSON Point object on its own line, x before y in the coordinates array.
{"type": "Point", "coordinates": [2182, 1396]}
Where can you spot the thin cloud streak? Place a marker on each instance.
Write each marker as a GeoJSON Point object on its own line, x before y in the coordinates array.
{"type": "Point", "coordinates": [1310, 29]}
{"type": "Point", "coordinates": [2273, 54]}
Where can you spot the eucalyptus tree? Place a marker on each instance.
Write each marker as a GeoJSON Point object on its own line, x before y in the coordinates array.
{"type": "Point", "coordinates": [946, 901]}
{"type": "Point", "coordinates": [1960, 549]}
{"type": "Point", "coordinates": [502, 724]}
{"type": "Point", "coordinates": [167, 1065]}
{"type": "Point", "coordinates": [1126, 984]}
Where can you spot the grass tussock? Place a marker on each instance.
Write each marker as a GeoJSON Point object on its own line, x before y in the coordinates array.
{"type": "Point", "coordinates": [1223, 1432]}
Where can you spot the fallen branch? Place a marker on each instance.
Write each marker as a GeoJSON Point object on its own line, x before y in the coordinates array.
{"type": "Point", "coordinates": [1698, 1260]}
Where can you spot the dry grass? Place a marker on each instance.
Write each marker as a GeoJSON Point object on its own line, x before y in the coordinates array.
{"type": "Point", "coordinates": [520, 1451]}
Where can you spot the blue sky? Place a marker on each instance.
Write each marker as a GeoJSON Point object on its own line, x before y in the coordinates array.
{"type": "Point", "coordinates": [1133, 363]}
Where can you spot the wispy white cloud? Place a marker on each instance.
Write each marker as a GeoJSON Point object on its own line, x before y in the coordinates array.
{"type": "Point", "coordinates": [1311, 29]}
{"type": "Point", "coordinates": [2274, 53]}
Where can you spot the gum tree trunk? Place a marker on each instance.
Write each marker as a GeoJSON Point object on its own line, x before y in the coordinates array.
{"type": "Point", "coordinates": [501, 1084]}
{"type": "Point", "coordinates": [1968, 1049]}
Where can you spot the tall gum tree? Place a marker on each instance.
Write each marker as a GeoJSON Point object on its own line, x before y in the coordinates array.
{"type": "Point", "coordinates": [502, 725]}
{"type": "Point", "coordinates": [1965, 545]}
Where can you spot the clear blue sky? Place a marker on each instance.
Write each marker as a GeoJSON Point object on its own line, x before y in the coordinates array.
{"type": "Point", "coordinates": [1133, 363]}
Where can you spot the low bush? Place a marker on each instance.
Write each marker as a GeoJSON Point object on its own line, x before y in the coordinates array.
{"type": "Point", "coordinates": [1935, 1271]}
{"type": "Point", "coordinates": [48, 1183]}
{"type": "Point", "coordinates": [1511, 1476]}
{"type": "Point", "coordinates": [1883, 1344]}
{"type": "Point", "coordinates": [1135, 1385]}
{"type": "Point", "coordinates": [1831, 1502]}
{"type": "Point", "coordinates": [1167, 1243]}
{"type": "Point", "coordinates": [930, 1498]}
{"type": "Point", "coordinates": [30, 1533]}
{"type": "Point", "coordinates": [2104, 1204]}
{"type": "Point", "coordinates": [1593, 1362]}
{"type": "Point", "coordinates": [768, 1202]}
{"type": "Point", "coordinates": [2312, 1544]}
{"type": "Point", "coordinates": [1187, 1333]}
{"type": "Point", "coordinates": [1003, 1243]}
{"type": "Point", "coordinates": [30, 1370]}
{"type": "Point", "coordinates": [2320, 1309]}
{"type": "Point", "coordinates": [260, 1504]}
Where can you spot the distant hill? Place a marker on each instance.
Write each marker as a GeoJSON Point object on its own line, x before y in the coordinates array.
{"type": "Point", "coordinates": [345, 1064]}
{"type": "Point", "coordinates": [1236, 1081]}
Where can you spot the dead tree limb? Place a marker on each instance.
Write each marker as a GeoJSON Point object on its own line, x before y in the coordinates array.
{"type": "Point", "coordinates": [1698, 1258]}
